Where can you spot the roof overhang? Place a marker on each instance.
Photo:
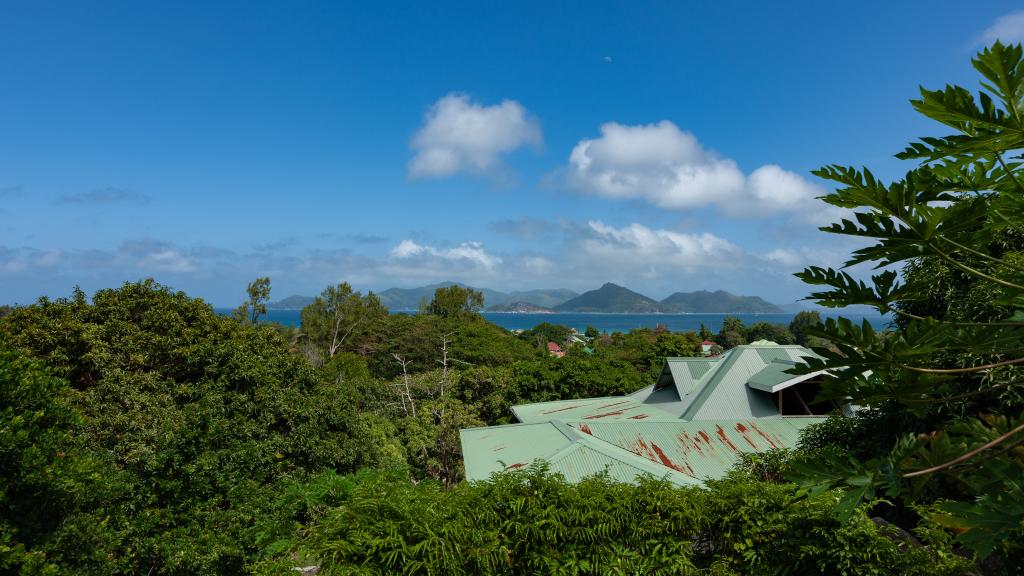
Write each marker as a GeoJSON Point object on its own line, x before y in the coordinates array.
{"type": "Point", "coordinates": [785, 383]}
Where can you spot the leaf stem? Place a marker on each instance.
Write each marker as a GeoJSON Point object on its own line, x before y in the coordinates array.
{"type": "Point", "coordinates": [982, 254]}
{"type": "Point", "coordinates": [1013, 177]}
{"type": "Point", "coordinates": [970, 270]}
{"type": "Point", "coordinates": [963, 370]}
{"type": "Point", "coordinates": [966, 456]}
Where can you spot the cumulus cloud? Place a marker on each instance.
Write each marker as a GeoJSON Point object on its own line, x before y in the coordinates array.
{"type": "Point", "coordinates": [539, 265]}
{"type": "Point", "coordinates": [1008, 29]}
{"type": "Point", "coordinates": [108, 195]}
{"type": "Point", "coordinates": [669, 167]}
{"type": "Point", "coordinates": [639, 243]}
{"type": "Point", "coordinates": [472, 253]}
{"type": "Point", "coordinates": [155, 256]}
{"type": "Point", "coordinates": [21, 260]}
{"type": "Point", "coordinates": [459, 135]}
{"type": "Point", "coordinates": [661, 261]}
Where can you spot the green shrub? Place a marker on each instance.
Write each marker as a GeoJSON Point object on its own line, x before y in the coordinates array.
{"type": "Point", "coordinates": [200, 416]}
{"type": "Point", "coordinates": [532, 523]}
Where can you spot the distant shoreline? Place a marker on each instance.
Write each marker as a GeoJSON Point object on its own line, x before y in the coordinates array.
{"type": "Point", "coordinates": [611, 321]}
{"type": "Point", "coordinates": [831, 313]}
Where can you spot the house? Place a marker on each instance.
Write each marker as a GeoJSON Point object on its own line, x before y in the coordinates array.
{"type": "Point", "coordinates": [691, 425]}
{"type": "Point", "coordinates": [705, 347]}
{"type": "Point", "coordinates": [576, 338]}
{"type": "Point", "coordinates": [555, 350]}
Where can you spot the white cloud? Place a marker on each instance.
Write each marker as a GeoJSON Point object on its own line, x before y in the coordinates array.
{"type": "Point", "coordinates": [538, 265]}
{"type": "Point", "coordinates": [155, 256]}
{"type": "Point", "coordinates": [14, 261]}
{"type": "Point", "coordinates": [460, 135]}
{"type": "Point", "coordinates": [668, 167]}
{"type": "Point", "coordinates": [1008, 29]}
{"type": "Point", "coordinates": [472, 253]}
{"type": "Point", "coordinates": [638, 243]}
{"type": "Point", "coordinates": [407, 249]}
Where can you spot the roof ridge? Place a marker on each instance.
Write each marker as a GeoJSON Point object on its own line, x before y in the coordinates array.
{"type": "Point", "coordinates": [701, 382]}
{"type": "Point", "coordinates": [567, 400]}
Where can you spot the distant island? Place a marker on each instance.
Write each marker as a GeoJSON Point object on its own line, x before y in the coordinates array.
{"type": "Point", "coordinates": [294, 302]}
{"type": "Point", "coordinates": [608, 299]}
{"type": "Point", "coordinates": [521, 308]}
{"type": "Point", "coordinates": [612, 298]}
{"type": "Point", "coordinates": [704, 302]}
{"type": "Point", "coordinates": [409, 298]}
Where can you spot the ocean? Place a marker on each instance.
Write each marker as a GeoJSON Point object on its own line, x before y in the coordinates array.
{"type": "Point", "coordinates": [609, 322]}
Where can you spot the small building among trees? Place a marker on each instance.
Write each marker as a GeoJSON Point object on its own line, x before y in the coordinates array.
{"type": "Point", "coordinates": [693, 424]}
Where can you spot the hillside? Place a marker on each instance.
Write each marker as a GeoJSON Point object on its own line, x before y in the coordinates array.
{"type": "Point", "coordinates": [610, 298]}
{"type": "Point", "coordinates": [409, 298]}
{"type": "Point", "coordinates": [520, 308]}
{"type": "Point", "coordinates": [293, 302]}
{"type": "Point", "coordinates": [703, 301]}
{"type": "Point", "coordinates": [544, 298]}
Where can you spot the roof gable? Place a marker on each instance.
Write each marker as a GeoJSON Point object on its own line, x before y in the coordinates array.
{"type": "Point", "coordinates": [726, 394]}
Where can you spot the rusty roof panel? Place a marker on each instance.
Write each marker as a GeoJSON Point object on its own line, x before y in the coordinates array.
{"type": "Point", "coordinates": [569, 451]}
{"type": "Point", "coordinates": [496, 448]}
{"type": "Point", "coordinates": [698, 449]}
{"type": "Point", "coordinates": [590, 457]}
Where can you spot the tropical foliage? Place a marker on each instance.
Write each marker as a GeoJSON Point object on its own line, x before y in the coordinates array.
{"type": "Point", "coordinates": [530, 522]}
{"type": "Point", "coordinates": [946, 378]}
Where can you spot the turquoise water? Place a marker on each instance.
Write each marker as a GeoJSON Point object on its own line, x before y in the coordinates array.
{"type": "Point", "coordinates": [609, 322]}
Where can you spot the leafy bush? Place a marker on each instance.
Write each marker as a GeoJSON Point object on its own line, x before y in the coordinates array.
{"type": "Point", "coordinates": [52, 491]}
{"type": "Point", "coordinates": [199, 415]}
{"type": "Point", "coordinates": [529, 522]}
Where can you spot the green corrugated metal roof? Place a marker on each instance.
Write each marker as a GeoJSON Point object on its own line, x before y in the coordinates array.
{"type": "Point", "coordinates": [687, 376]}
{"type": "Point", "coordinates": [495, 448]}
{"type": "Point", "coordinates": [690, 426]}
{"type": "Point", "coordinates": [610, 408]}
{"type": "Point", "coordinates": [772, 374]}
{"type": "Point", "coordinates": [684, 453]}
{"type": "Point", "coordinates": [700, 449]}
{"type": "Point", "coordinates": [726, 395]}
{"type": "Point", "coordinates": [567, 451]}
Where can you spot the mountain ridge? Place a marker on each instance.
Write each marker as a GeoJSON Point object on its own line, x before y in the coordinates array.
{"type": "Point", "coordinates": [610, 298]}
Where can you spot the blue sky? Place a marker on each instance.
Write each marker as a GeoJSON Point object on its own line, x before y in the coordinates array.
{"type": "Point", "coordinates": [663, 146]}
